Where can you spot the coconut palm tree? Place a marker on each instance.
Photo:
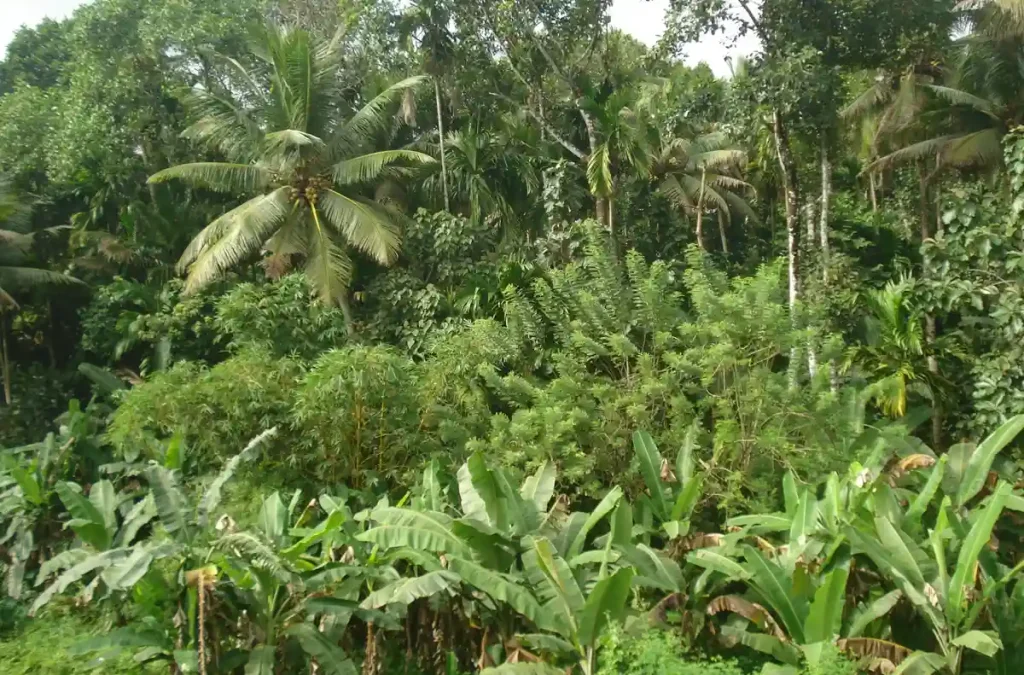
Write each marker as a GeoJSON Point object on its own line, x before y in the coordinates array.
{"type": "Point", "coordinates": [286, 139]}
{"type": "Point", "coordinates": [15, 274]}
{"type": "Point", "coordinates": [701, 172]}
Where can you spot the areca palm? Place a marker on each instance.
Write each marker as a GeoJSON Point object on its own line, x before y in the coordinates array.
{"type": "Point", "coordinates": [286, 139]}
{"type": "Point", "coordinates": [481, 169]}
{"type": "Point", "coordinates": [700, 171]}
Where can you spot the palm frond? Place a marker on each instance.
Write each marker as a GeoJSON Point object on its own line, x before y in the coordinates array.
{"type": "Point", "coordinates": [30, 277]}
{"type": "Point", "coordinates": [979, 149]}
{"type": "Point", "coordinates": [926, 149]}
{"type": "Point", "coordinates": [365, 225]}
{"type": "Point", "coordinates": [714, 159]}
{"type": "Point", "coordinates": [676, 193]}
{"type": "Point", "coordinates": [328, 267]}
{"type": "Point", "coordinates": [599, 171]}
{"type": "Point", "coordinates": [219, 176]}
{"type": "Point", "coordinates": [868, 100]}
{"type": "Point", "coordinates": [221, 124]}
{"type": "Point", "coordinates": [371, 166]}
{"type": "Point", "coordinates": [961, 97]}
{"type": "Point", "coordinates": [370, 118]}
{"type": "Point", "coordinates": [233, 237]}
{"type": "Point", "coordinates": [739, 206]}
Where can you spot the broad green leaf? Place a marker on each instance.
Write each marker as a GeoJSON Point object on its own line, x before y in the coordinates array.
{"type": "Point", "coordinates": [650, 468]}
{"type": "Point", "coordinates": [983, 642]}
{"type": "Point", "coordinates": [762, 523]}
{"type": "Point", "coordinates": [331, 524]}
{"type": "Point", "coordinates": [433, 494]}
{"type": "Point", "coordinates": [713, 560]}
{"type": "Point", "coordinates": [899, 552]}
{"type": "Point", "coordinates": [104, 498]}
{"type": "Point", "coordinates": [61, 562]}
{"type": "Point", "coordinates": [481, 498]}
{"type": "Point", "coordinates": [557, 576]}
{"type": "Point", "coordinates": [825, 618]}
{"type": "Point", "coordinates": [77, 573]}
{"type": "Point", "coordinates": [329, 656]}
{"type": "Point", "coordinates": [522, 516]}
{"type": "Point", "coordinates": [140, 515]}
{"type": "Point", "coordinates": [501, 587]}
{"type": "Point", "coordinates": [543, 642]}
{"type": "Point", "coordinates": [606, 602]}
{"type": "Point", "coordinates": [774, 585]}
{"type": "Point", "coordinates": [30, 487]}
{"type": "Point", "coordinates": [539, 487]}
{"type": "Point", "coordinates": [88, 523]}
{"type": "Point", "coordinates": [687, 499]}
{"type": "Point", "coordinates": [927, 493]}
{"type": "Point", "coordinates": [407, 591]}
{"type": "Point", "coordinates": [980, 462]}
{"type": "Point", "coordinates": [427, 531]}
{"type": "Point", "coordinates": [921, 663]}
{"type": "Point", "coordinates": [967, 561]}
{"type": "Point", "coordinates": [766, 644]}
{"type": "Point", "coordinates": [603, 508]}
{"type": "Point", "coordinates": [805, 518]}
{"type": "Point", "coordinates": [273, 517]}
{"type": "Point", "coordinates": [790, 493]}
{"type": "Point", "coordinates": [170, 503]}
{"type": "Point", "coordinates": [261, 661]}
{"type": "Point", "coordinates": [654, 569]}
{"type": "Point", "coordinates": [684, 458]}
{"type": "Point", "coordinates": [872, 611]}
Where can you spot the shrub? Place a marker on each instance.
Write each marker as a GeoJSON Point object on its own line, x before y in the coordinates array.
{"type": "Point", "coordinates": [655, 652]}
{"type": "Point", "coordinates": [214, 409]}
{"type": "Point", "coordinates": [281, 317]}
{"type": "Point", "coordinates": [358, 410]}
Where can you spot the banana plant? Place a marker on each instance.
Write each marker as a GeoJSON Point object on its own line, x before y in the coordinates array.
{"type": "Point", "coordinates": [116, 558]}
{"type": "Point", "coordinates": [950, 580]}
{"type": "Point", "coordinates": [284, 581]}
{"type": "Point", "coordinates": [673, 492]}
{"type": "Point", "coordinates": [28, 506]}
{"type": "Point", "coordinates": [482, 546]}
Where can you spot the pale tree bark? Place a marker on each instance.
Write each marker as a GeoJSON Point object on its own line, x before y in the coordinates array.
{"type": "Point", "coordinates": [600, 203]}
{"type": "Point", "coordinates": [440, 139]}
{"type": "Point", "coordinates": [823, 234]}
{"type": "Point", "coordinates": [874, 192]}
{"type": "Point", "coordinates": [700, 211]}
{"type": "Point", "coordinates": [929, 319]}
{"type": "Point", "coordinates": [5, 358]}
{"type": "Point", "coordinates": [721, 232]}
{"type": "Point", "coordinates": [791, 193]}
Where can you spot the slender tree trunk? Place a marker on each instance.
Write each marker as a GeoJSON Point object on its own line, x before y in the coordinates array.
{"type": "Point", "coordinates": [791, 190]}
{"type": "Point", "coordinates": [823, 233]}
{"type": "Point", "coordinates": [440, 138]}
{"type": "Point", "coordinates": [929, 319]}
{"type": "Point", "coordinates": [346, 311]}
{"type": "Point", "coordinates": [5, 358]}
{"type": "Point", "coordinates": [700, 211]}
{"type": "Point", "coordinates": [873, 191]}
{"type": "Point", "coordinates": [721, 232]}
{"type": "Point", "coordinates": [611, 217]}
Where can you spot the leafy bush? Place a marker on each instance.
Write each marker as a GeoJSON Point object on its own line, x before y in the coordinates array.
{"type": "Point", "coordinates": [358, 410]}
{"type": "Point", "coordinates": [656, 652]}
{"type": "Point", "coordinates": [213, 409]}
{"type": "Point", "coordinates": [281, 317]}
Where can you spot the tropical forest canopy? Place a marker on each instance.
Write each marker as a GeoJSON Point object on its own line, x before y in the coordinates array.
{"type": "Point", "coordinates": [457, 336]}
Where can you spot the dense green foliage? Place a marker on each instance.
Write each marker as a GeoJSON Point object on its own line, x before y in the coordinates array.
{"type": "Point", "coordinates": [346, 336]}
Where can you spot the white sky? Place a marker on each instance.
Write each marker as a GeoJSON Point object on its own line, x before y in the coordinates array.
{"type": "Point", "coordinates": [641, 18]}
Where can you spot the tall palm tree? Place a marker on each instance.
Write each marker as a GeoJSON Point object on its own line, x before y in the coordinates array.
{"type": "Point", "coordinates": [485, 172]}
{"type": "Point", "coordinates": [702, 171]}
{"type": "Point", "coordinates": [286, 139]}
{"type": "Point", "coordinates": [15, 274]}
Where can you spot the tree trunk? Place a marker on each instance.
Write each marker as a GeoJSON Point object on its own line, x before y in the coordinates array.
{"type": "Point", "coordinates": [929, 319]}
{"type": "Point", "coordinates": [700, 211]}
{"type": "Point", "coordinates": [823, 232]}
{"type": "Point", "coordinates": [600, 202]}
{"type": "Point", "coordinates": [440, 139]}
{"type": "Point", "coordinates": [874, 192]}
{"type": "Point", "coordinates": [5, 358]}
{"type": "Point", "coordinates": [346, 311]}
{"type": "Point", "coordinates": [721, 232]}
{"type": "Point", "coordinates": [791, 192]}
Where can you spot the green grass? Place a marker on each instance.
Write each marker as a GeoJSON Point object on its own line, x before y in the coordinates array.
{"type": "Point", "coordinates": [41, 647]}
